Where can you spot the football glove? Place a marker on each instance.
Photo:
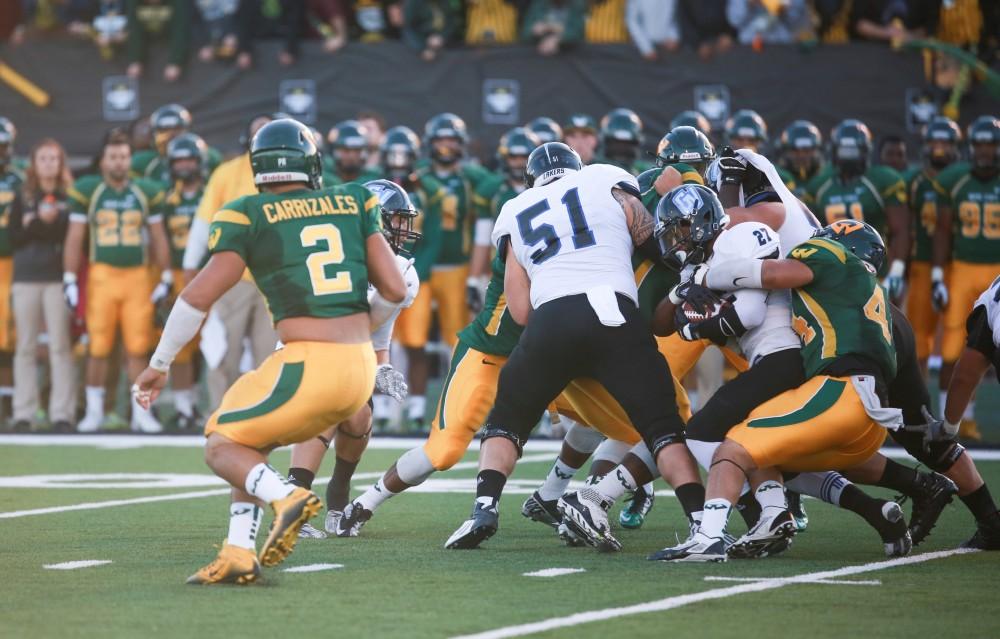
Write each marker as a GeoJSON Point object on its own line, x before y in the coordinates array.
{"type": "Point", "coordinates": [939, 291]}
{"type": "Point", "coordinates": [475, 293]}
{"type": "Point", "coordinates": [163, 288]}
{"type": "Point", "coordinates": [894, 282]}
{"type": "Point", "coordinates": [934, 430]}
{"type": "Point", "coordinates": [71, 291]}
{"type": "Point", "coordinates": [732, 167]}
{"type": "Point", "coordinates": [391, 382]}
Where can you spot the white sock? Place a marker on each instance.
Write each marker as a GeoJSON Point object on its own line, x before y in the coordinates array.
{"type": "Point", "coordinates": [382, 407]}
{"type": "Point", "coordinates": [826, 486]}
{"type": "Point", "coordinates": [244, 521]}
{"type": "Point", "coordinates": [715, 517]}
{"type": "Point", "coordinates": [970, 410]}
{"type": "Point", "coordinates": [615, 483]}
{"type": "Point", "coordinates": [556, 481]}
{"type": "Point", "coordinates": [95, 400]}
{"type": "Point", "coordinates": [414, 466]}
{"type": "Point", "coordinates": [184, 402]}
{"type": "Point", "coordinates": [771, 494]}
{"type": "Point", "coordinates": [374, 496]}
{"type": "Point", "coordinates": [703, 452]}
{"type": "Point", "coordinates": [416, 407]}
{"type": "Point", "coordinates": [266, 484]}
{"type": "Point", "coordinates": [138, 412]}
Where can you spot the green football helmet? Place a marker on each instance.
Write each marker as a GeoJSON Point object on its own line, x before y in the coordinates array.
{"type": "Point", "coordinates": [580, 122]}
{"type": "Point", "coordinates": [800, 149]}
{"type": "Point", "coordinates": [446, 126]}
{"type": "Point", "coordinates": [688, 218]}
{"type": "Point", "coordinates": [167, 121]}
{"type": "Point", "coordinates": [621, 136]}
{"type": "Point", "coordinates": [851, 147]}
{"type": "Point", "coordinates": [8, 134]}
{"type": "Point", "coordinates": [185, 146]}
{"type": "Point", "coordinates": [516, 144]}
{"type": "Point", "coordinates": [746, 129]}
{"type": "Point", "coordinates": [349, 145]}
{"type": "Point", "coordinates": [284, 151]}
{"type": "Point", "coordinates": [545, 129]}
{"type": "Point", "coordinates": [941, 137]}
{"type": "Point", "coordinates": [984, 132]}
{"type": "Point", "coordinates": [688, 145]}
{"type": "Point", "coordinates": [399, 151]}
{"type": "Point", "coordinates": [859, 238]}
{"type": "Point", "coordinates": [692, 118]}
{"type": "Point", "coordinates": [398, 214]}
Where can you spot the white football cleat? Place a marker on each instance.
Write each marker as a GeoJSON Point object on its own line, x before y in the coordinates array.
{"type": "Point", "coordinates": [585, 512]}
{"type": "Point", "coordinates": [332, 521]}
{"type": "Point", "coordinates": [143, 421]}
{"type": "Point", "coordinates": [699, 547]}
{"type": "Point", "coordinates": [770, 536]}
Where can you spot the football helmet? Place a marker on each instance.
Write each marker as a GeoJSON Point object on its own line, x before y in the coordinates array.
{"type": "Point", "coordinates": [984, 131]}
{"type": "Point", "coordinates": [349, 144]}
{"type": "Point", "coordinates": [446, 126]}
{"type": "Point", "coordinates": [621, 136]}
{"type": "Point", "coordinates": [550, 162]}
{"type": "Point", "coordinates": [516, 144]}
{"type": "Point", "coordinates": [800, 149]}
{"type": "Point", "coordinates": [284, 151]}
{"type": "Point", "coordinates": [941, 138]}
{"type": "Point", "coordinates": [746, 129]}
{"type": "Point", "coordinates": [399, 151]}
{"type": "Point", "coordinates": [545, 129]}
{"type": "Point", "coordinates": [187, 146]}
{"type": "Point", "coordinates": [688, 145]}
{"type": "Point", "coordinates": [688, 218]}
{"type": "Point", "coordinates": [850, 147]}
{"type": "Point", "coordinates": [692, 118]}
{"type": "Point", "coordinates": [167, 121]}
{"type": "Point", "coordinates": [580, 122]}
{"type": "Point", "coordinates": [859, 238]}
{"type": "Point", "coordinates": [398, 214]}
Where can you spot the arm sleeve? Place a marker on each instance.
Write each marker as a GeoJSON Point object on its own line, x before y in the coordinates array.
{"type": "Point", "coordinates": [893, 188]}
{"type": "Point", "coordinates": [197, 244]}
{"type": "Point", "coordinates": [382, 336]}
{"type": "Point", "coordinates": [78, 203]}
{"type": "Point", "coordinates": [157, 202]}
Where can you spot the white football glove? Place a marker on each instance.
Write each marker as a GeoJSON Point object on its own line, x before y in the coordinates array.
{"type": "Point", "coordinates": [162, 290]}
{"type": "Point", "coordinates": [894, 282]}
{"type": "Point", "coordinates": [391, 382]}
{"type": "Point", "coordinates": [939, 291]}
{"type": "Point", "coordinates": [405, 265]}
{"type": "Point", "coordinates": [71, 291]}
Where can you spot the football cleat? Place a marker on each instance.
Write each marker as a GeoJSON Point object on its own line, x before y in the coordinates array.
{"type": "Point", "coordinates": [143, 421]}
{"type": "Point", "coordinates": [543, 511]}
{"type": "Point", "coordinates": [798, 511]}
{"type": "Point", "coordinates": [931, 493]}
{"type": "Point", "coordinates": [569, 537]}
{"type": "Point", "coordinates": [189, 422]}
{"type": "Point", "coordinates": [639, 505]}
{"type": "Point", "coordinates": [896, 538]}
{"type": "Point", "coordinates": [699, 547]}
{"type": "Point", "coordinates": [585, 512]}
{"type": "Point", "coordinates": [332, 521]}
{"type": "Point", "coordinates": [234, 565]}
{"type": "Point", "coordinates": [289, 514]}
{"type": "Point", "coordinates": [771, 536]}
{"type": "Point", "coordinates": [354, 517]}
{"type": "Point", "coordinates": [308, 531]}
{"type": "Point", "coordinates": [987, 536]}
{"type": "Point", "coordinates": [481, 526]}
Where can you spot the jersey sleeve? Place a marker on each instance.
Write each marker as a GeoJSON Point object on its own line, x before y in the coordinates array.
{"type": "Point", "coordinates": [614, 176]}
{"type": "Point", "coordinates": [503, 227]}
{"type": "Point", "coordinates": [749, 239]}
{"type": "Point", "coordinates": [825, 258]}
{"type": "Point", "coordinates": [79, 199]}
{"type": "Point", "coordinates": [371, 217]}
{"type": "Point", "coordinates": [891, 187]}
{"type": "Point", "coordinates": [157, 199]}
{"type": "Point", "coordinates": [482, 198]}
{"type": "Point", "coordinates": [231, 229]}
{"type": "Point", "coordinates": [944, 182]}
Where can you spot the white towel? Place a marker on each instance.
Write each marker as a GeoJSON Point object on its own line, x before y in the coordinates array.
{"type": "Point", "coordinates": [891, 418]}
{"type": "Point", "coordinates": [605, 304]}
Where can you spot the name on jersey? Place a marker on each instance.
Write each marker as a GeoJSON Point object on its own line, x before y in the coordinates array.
{"type": "Point", "coordinates": [310, 207]}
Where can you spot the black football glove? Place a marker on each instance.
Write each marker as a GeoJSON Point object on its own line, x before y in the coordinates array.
{"type": "Point", "coordinates": [732, 167]}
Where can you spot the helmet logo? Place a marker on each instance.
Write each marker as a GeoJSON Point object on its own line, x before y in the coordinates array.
{"type": "Point", "coordinates": [282, 162]}
{"type": "Point", "coordinates": [845, 227]}
{"type": "Point", "coordinates": [687, 201]}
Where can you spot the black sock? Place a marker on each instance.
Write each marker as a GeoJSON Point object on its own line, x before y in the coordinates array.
{"type": "Point", "coordinates": [691, 496]}
{"type": "Point", "coordinates": [338, 491]}
{"type": "Point", "coordinates": [857, 501]}
{"type": "Point", "coordinates": [898, 477]}
{"type": "Point", "coordinates": [489, 485]}
{"type": "Point", "coordinates": [301, 477]}
{"type": "Point", "coordinates": [980, 503]}
{"type": "Point", "coordinates": [749, 509]}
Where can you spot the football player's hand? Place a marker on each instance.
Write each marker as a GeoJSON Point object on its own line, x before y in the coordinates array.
{"type": "Point", "coordinates": [163, 288]}
{"type": "Point", "coordinates": [148, 385]}
{"type": "Point", "coordinates": [475, 293]}
{"type": "Point", "coordinates": [933, 430]}
{"type": "Point", "coordinates": [700, 298]}
{"type": "Point", "coordinates": [410, 278]}
{"type": "Point", "coordinates": [894, 282]}
{"type": "Point", "coordinates": [732, 167]}
{"type": "Point", "coordinates": [71, 291]}
{"type": "Point", "coordinates": [391, 382]}
{"type": "Point", "coordinates": [939, 291]}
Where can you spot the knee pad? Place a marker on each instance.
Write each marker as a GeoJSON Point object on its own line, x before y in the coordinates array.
{"type": "Point", "coordinates": [414, 466]}
{"type": "Point", "coordinates": [492, 430]}
{"type": "Point", "coordinates": [661, 441]}
{"type": "Point", "coordinates": [941, 455]}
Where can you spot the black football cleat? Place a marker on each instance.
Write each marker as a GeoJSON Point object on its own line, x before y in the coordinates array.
{"type": "Point", "coordinates": [931, 493]}
{"type": "Point", "coordinates": [987, 535]}
{"type": "Point", "coordinates": [481, 526]}
{"type": "Point", "coordinates": [543, 511]}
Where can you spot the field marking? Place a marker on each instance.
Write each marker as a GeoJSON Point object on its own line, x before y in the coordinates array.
{"type": "Point", "coordinates": [718, 593]}
{"type": "Point", "coordinates": [73, 565]}
{"type": "Point", "coordinates": [313, 568]}
{"type": "Point", "coordinates": [835, 582]}
{"type": "Point", "coordinates": [553, 572]}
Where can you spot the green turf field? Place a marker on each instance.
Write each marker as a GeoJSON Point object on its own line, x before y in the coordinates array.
{"type": "Point", "coordinates": [396, 580]}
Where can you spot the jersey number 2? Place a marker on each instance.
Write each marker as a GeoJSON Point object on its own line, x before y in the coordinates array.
{"type": "Point", "coordinates": [582, 235]}
{"type": "Point", "coordinates": [317, 262]}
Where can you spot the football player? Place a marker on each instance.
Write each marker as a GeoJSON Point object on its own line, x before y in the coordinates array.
{"type": "Point", "coordinates": [800, 154]}
{"type": "Point", "coordinates": [621, 140]}
{"type": "Point", "coordinates": [167, 122]}
{"type": "Point", "coordinates": [892, 153]}
{"type": "Point", "coordinates": [682, 157]}
{"type": "Point", "coordinates": [545, 129]}
{"type": "Point", "coordinates": [941, 139]}
{"type": "Point", "coordinates": [745, 129]}
{"type": "Point", "coordinates": [580, 134]}
{"type": "Point", "coordinates": [348, 142]}
{"type": "Point", "coordinates": [692, 118]}
{"type": "Point", "coordinates": [11, 179]}
{"type": "Point", "coordinates": [852, 189]}
{"type": "Point", "coordinates": [331, 246]}
{"type": "Point", "coordinates": [117, 213]}
{"type": "Point", "coordinates": [969, 231]}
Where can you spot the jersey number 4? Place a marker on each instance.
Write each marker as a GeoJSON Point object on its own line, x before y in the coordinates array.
{"type": "Point", "coordinates": [582, 235]}
{"type": "Point", "coordinates": [317, 262]}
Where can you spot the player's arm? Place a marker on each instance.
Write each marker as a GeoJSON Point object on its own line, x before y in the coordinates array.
{"type": "Point", "coordinates": [968, 372]}
{"type": "Point", "coordinates": [383, 313]}
{"type": "Point", "coordinates": [750, 272]}
{"type": "Point", "coordinates": [640, 223]}
{"type": "Point", "coordinates": [899, 233]}
{"type": "Point", "coordinates": [516, 287]}
{"type": "Point", "coordinates": [382, 270]}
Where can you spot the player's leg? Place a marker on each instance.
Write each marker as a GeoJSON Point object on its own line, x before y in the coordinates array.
{"type": "Point", "coordinates": [233, 311]}
{"type": "Point", "coordinates": [137, 337]}
{"type": "Point", "coordinates": [920, 311]}
{"type": "Point", "coordinates": [967, 281]}
{"type": "Point", "coordinates": [237, 561]}
{"type": "Point", "coordinates": [7, 336]}
{"type": "Point", "coordinates": [306, 459]}
{"type": "Point", "coordinates": [102, 317]}
{"type": "Point", "coordinates": [182, 374]}
{"type": "Point", "coordinates": [411, 331]}
{"type": "Point", "coordinates": [350, 443]}
{"type": "Point", "coordinates": [577, 446]}
{"type": "Point", "coordinates": [28, 303]}
{"type": "Point", "coordinates": [453, 308]}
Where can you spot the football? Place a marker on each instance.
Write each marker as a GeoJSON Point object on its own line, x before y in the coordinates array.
{"type": "Point", "coordinates": [692, 313]}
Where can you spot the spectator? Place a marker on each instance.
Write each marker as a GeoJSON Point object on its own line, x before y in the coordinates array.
{"type": "Point", "coordinates": [770, 21]}
{"type": "Point", "coordinates": [109, 28]}
{"type": "Point", "coordinates": [704, 25]}
{"type": "Point", "coordinates": [269, 19]}
{"type": "Point", "coordinates": [491, 22]}
{"type": "Point", "coordinates": [882, 20]}
{"type": "Point", "coordinates": [652, 24]}
{"type": "Point", "coordinates": [377, 20]}
{"type": "Point", "coordinates": [606, 22]}
{"type": "Point", "coordinates": [327, 19]}
{"type": "Point", "coordinates": [170, 19]}
{"type": "Point", "coordinates": [554, 25]}
{"type": "Point", "coordinates": [48, 16]}
{"type": "Point", "coordinates": [834, 20]}
{"type": "Point", "coordinates": [967, 22]}
{"type": "Point", "coordinates": [374, 125]}
{"type": "Point", "coordinates": [218, 17]}
{"type": "Point", "coordinates": [428, 25]}
{"type": "Point", "coordinates": [37, 230]}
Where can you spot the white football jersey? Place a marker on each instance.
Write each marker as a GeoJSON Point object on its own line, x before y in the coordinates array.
{"type": "Point", "coordinates": [571, 235]}
{"type": "Point", "coordinates": [991, 300]}
{"type": "Point", "coordinates": [774, 333]}
{"type": "Point", "coordinates": [799, 226]}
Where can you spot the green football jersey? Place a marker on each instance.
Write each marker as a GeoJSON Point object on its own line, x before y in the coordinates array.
{"type": "Point", "coordinates": [650, 198]}
{"type": "Point", "coordinates": [842, 311]}
{"type": "Point", "coordinates": [332, 178]}
{"type": "Point", "coordinates": [10, 183]}
{"type": "Point", "coordinates": [492, 194]}
{"type": "Point", "coordinates": [456, 208]}
{"type": "Point", "coordinates": [116, 219]}
{"type": "Point", "coordinates": [864, 198]}
{"type": "Point", "coordinates": [426, 193]}
{"type": "Point", "coordinates": [975, 206]}
{"type": "Point", "coordinates": [305, 249]}
{"type": "Point", "coordinates": [787, 177]}
{"type": "Point", "coordinates": [151, 165]}
{"type": "Point", "coordinates": [654, 281]}
{"type": "Point", "coordinates": [922, 197]}
{"type": "Point", "coordinates": [179, 210]}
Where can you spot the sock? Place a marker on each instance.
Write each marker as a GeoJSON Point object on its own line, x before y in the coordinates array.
{"type": "Point", "coordinates": [970, 410]}
{"type": "Point", "coordinates": [489, 485]}
{"type": "Point", "coordinates": [613, 485]}
{"type": "Point", "coordinates": [184, 402]}
{"type": "Point", "coordinates": [266, 484]}
{"type": "Point", "coordinates": [416, 407]}
{"type": "Point", "coordinates": [857, 501]}
{"type": "Point", "coordinates": [715, 517]}
{"type": "Point", "coordinates": [771, 495]}
{"type": "Point", "coordinates": [301, 477]}
{"type": "Point", "coordinates": [138, 412]}
{"type": "Point", "coordinates": [749, 509]}
{"type": "Point", "coordinates": [593, 480]}
{"type": "Point", "coordinates": [338, 491]}
{"type": "Point", "coordinates": [374, 496]}
{"type": "Point", "coordinates": [980, 503]}
{"type": "Point", "coordinates": [556, 481]}
{"type": "Point", "coordinates": [381, 407]}
{"type": "Point", "coordinates": [244, 521]}
{"type": "Point", "coordinates": [692, 497]}
{"type": "Point", "coordinates": [95, 400]}
{"type": "Point", "coordinates": [898, 477]}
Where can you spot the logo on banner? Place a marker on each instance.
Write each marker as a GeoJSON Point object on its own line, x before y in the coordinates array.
{"type": "Point", "coordinates": [501, 101]}
{"type": "Point", "coordinates": [712, 100]}
{"type": "Point", "coordinates": [297, 98]}
{"type": "Point", "coordinates": [121, 98]}
{"type": "Point", "coordinates": [921, 106]}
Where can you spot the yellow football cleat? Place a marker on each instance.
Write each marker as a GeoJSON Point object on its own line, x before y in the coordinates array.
{"type": "Point", "coordinates": [289, 515]}
{"type": "Point", "coordinates": [234, 565]}
{"type": "Point", "coordinates": [969, 430]}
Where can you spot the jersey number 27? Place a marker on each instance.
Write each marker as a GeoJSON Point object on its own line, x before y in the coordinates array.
{"type": "Point", "coordinates": [582, 235]}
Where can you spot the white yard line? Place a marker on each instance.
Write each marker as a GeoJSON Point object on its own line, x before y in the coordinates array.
{"type": "Point", "coordinates": [73, 565]}
{"type": "Point", "coordinates": [718, 593]}
{"type": "Point", "coordinates": [554, 572]}
{"type": "Point", "coordinates": [314, 568]}
{"type": "Point", "coordinates": [835, 582]}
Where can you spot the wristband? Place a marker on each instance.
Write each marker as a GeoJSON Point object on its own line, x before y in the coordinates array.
{"type": "Point", "coordinates": [950, 429]}
{"type": "Point", "coordinates": [937, 274]}
{"type": "Point", "coordinates": [167, 276]}
{"type": "Point", "coordinates": [732, 275]}
{"type": "Point", "coordinates": [69, 278]}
